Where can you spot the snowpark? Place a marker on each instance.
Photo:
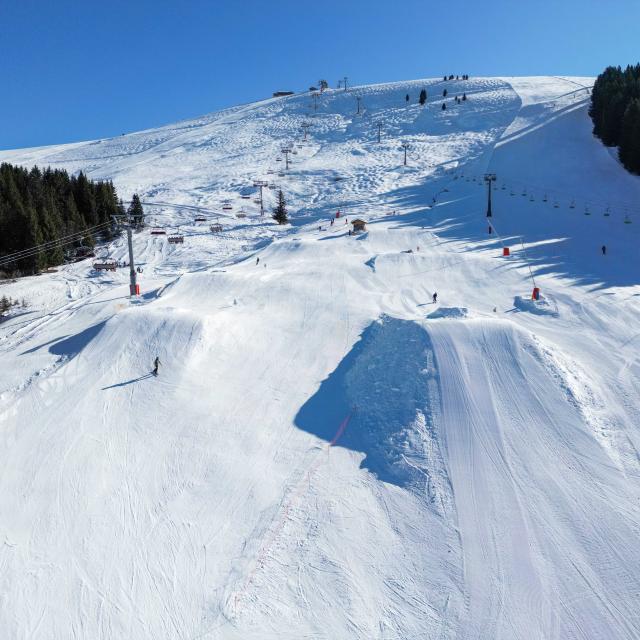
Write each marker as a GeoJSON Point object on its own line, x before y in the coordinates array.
{"type": "Point", "coordinates": [326, 453]}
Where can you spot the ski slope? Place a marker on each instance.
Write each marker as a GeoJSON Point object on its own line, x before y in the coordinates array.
{"type": "Point", "coordinates": [326, 453]}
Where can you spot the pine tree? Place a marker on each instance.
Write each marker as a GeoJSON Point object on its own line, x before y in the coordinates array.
{"type": "Point", "coordinates": [464, 97]}
{"type": "Point", "coordinates": [39, 207]}
{"type": "Point", "coordinates": [136, 211]}
{"type": "Point", "coordinates": [444, 93]}
{"type": "Point", "coordinates": [406, 98]}
{"type": "Point", "coordinates": [280, 214]}
{"type": "Point", "coordinates": [629, 151]}
{"type": "Point", "coordinates": [444, 106]}
{"type": "Point", "coordinates": [423, 96]}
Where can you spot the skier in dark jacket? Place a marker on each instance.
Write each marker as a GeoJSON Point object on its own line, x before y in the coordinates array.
{"type": "Point", "coordinates": [435, 297]}
{"type": "Point", "coordinates": [156, 364]}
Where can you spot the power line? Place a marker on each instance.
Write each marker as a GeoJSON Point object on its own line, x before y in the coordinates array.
{"type": "Point", "coordinates": [60, 242]}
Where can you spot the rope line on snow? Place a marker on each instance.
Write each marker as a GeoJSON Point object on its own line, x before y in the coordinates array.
{"type": "Point", "coordinates": [286, 510]}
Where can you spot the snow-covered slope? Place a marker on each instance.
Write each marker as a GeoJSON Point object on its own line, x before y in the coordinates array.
{"type": "Point", "coordinates": [326, 453]}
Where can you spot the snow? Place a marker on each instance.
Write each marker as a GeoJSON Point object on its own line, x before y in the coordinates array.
{"type": "Point", "coordinates": [325, 452]}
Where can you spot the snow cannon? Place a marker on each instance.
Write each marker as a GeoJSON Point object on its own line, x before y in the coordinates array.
{"type": "Point", "coordinates": [536, 293]}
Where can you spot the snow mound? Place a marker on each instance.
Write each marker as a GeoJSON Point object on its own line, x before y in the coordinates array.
{"type": "Point", "coordinates": [538, 307]}
{"type": "Point", "coordinates": [449, 312]}
{"type": "Point", "coordinates": [387, 385]}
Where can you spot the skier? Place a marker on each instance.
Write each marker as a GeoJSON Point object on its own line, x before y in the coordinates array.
{"type": "Point", "coordinates": [156, 364]}
{"type": "Point", "coordinates": [435, 297]}
{"type": "Point", "coordinates": [258, 260]}
{"type": "Point", "coordinates": [604, 249]}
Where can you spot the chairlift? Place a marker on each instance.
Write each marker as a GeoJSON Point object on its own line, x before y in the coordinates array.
{"type": "Point", "coordinates": [545, 199]}
{"type": "Point", "coordinates": [504, 187]}
{"type": "Point", "coordinates": [200, 219]}
{"type": "Point", "coordinates": [524, 193]}
{"type": "Point", "coordinates": [586, 211]}
{"type": "Point", "coordinates": [241, 215]}
{"type": "Point", "coordinates": [158, 231]}
{"type": "Point", "coordinates": [531, 198]}
{"type": "Point", "coordinates": [105, 265]}
{"type": "Point", "coordinates": [513, 193]}
{"type": "Point", "coordinates": [176, 239]}
{"type": "Point", "coordinates": [627, 220]}
{"type": "Point", "coordinates": [572, 205]}
{"type": "Point", "coordinates": [215, 228]}
{"type": "Point", "coordinates": [278, 159]}
{"type": "Point", "coordinates": [556, 205]}
{"type": "Point", "coordinates": [607, 213]}
{"type": "Point", "coordinates": [245, 197]}
{"type": "Point", "coordinates": [226, 207]}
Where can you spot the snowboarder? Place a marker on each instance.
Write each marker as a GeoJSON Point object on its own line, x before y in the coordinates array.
{"type": "Point", "coordinates": [156, 364]}
{"type": "Point", "coordinates": [435, 297]}
{"type": "Point", "coordinates": [604, 249]}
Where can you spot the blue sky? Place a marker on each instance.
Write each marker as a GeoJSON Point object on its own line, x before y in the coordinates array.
{"type": "Point", "coordinates": [79, 70]}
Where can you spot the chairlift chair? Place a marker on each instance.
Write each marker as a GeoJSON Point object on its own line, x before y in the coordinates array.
{"type": "Point", "coordinates": [200, 219]}
{"type": "Point", "coordinates": [158, 231]}
{"type": "Point", "coordinates": [105, 265]}
{"type": "Point", "coordinates": [607, 213]}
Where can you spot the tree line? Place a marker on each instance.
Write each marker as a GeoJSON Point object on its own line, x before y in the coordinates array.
{"type": "Point", "coordinates": [47, 206]}
{"type": "Point", "coordinates": [615, 111]}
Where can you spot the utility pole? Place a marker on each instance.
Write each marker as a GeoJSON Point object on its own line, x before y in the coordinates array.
{"type": "Point", "coordinates": [127, 223]}
{"type": "Point", "coordinates": [305, 126]}
{"type": "Point", "coordinates": [286, 152]}
{"type": "Point", "coordinates": [358, 98]}
{"type": "Point", "coordinates": [345, 83]}
{"type": "Point", "coordinates": [379, 125]}
{"type": "Point", "coordinates": [405, 146]}
{"type": "Point", "coordinates": [261, 184]}
{"type": "Point", "coordinates": [489, 178]}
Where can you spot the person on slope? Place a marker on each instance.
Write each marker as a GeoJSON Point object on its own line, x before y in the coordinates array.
{"type": "Point", "coordinates": [435, 297]}
{"type": "Point", "coordinates": [258, 260]}
{"type": "Point", "coordinates": [156, 364]}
